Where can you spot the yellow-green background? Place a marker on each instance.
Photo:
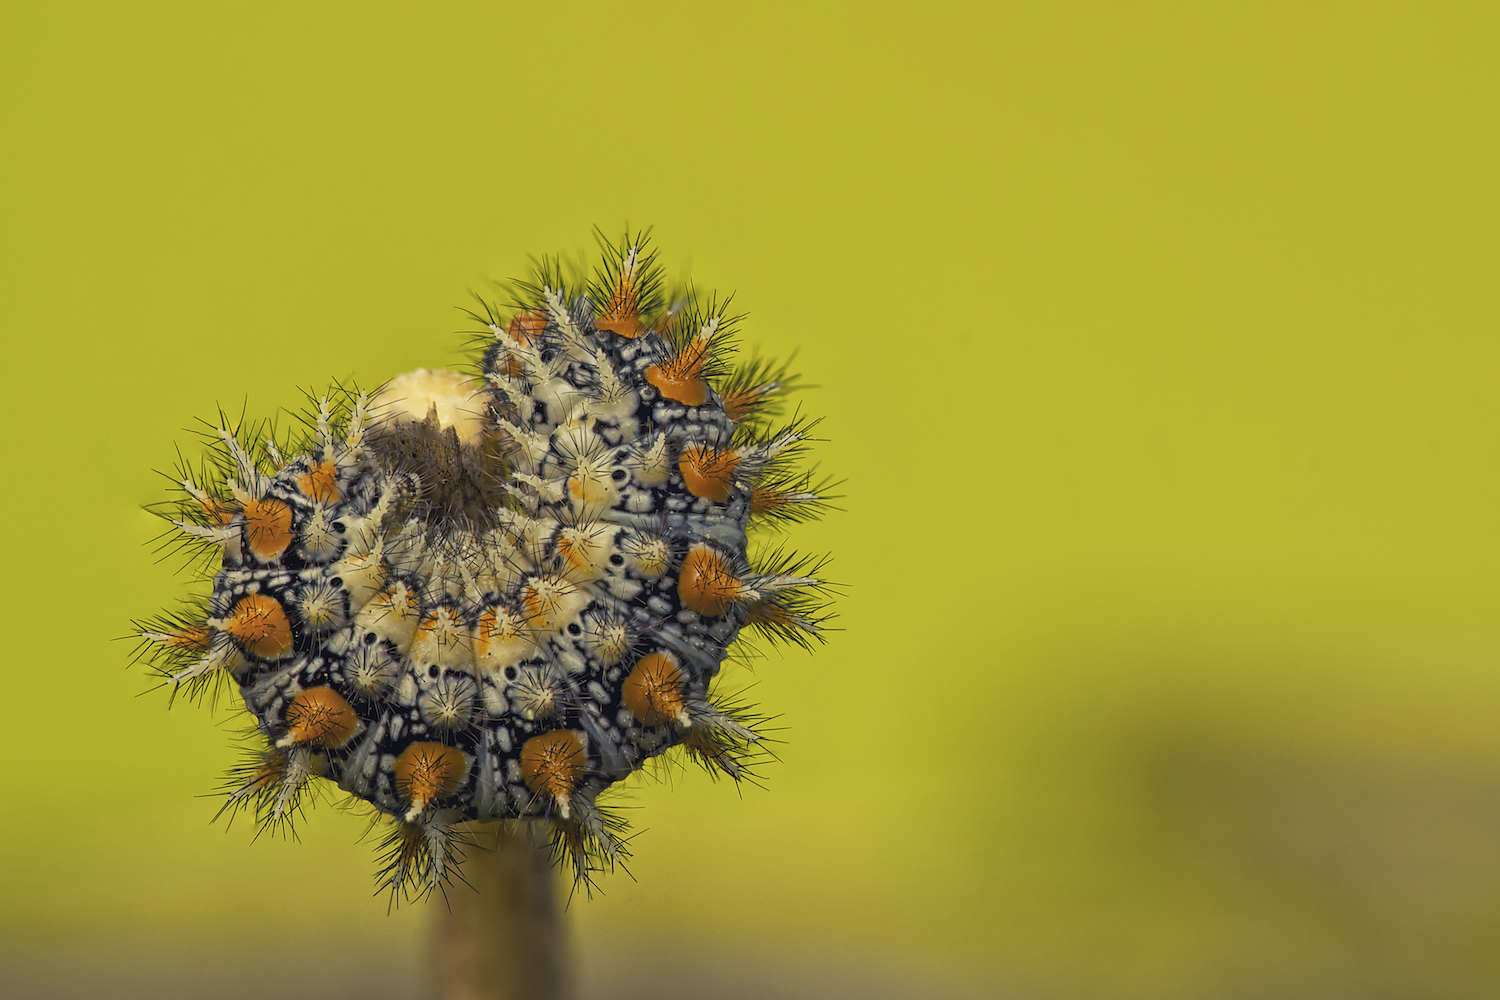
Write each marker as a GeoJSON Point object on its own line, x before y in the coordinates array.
{"type": "Point", "coordinates": [1157, 348]}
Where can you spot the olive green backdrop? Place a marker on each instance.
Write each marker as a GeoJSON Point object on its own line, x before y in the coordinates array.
{"type": "Point", "coordinates": [1157, 348]}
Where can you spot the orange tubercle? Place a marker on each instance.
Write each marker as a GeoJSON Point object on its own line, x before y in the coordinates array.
{"type": "Point", "coordinates": [320, 716]}
{"type": "Point", "coordinates": [553, 764]}
{"type": "Point", "coordinates": [622, 314]}
{"type": "Point", "coordinates": [767, 612]}
{"type": "Point", "coordinates": [219, 511]}
{"type": "Point", "coordinates": [320, 483]}
{"type": "Point", "coordinates": [527, 327]}
{"type": "Point", "coordinates": [769, 499]}
{"type": "Point", "coordinates": [629, 327]}
{"type": "Point", "coordinates": [689, 389]}
{"type": "Point", "coordinates": [523, 329]}
{"type": "Point", "coordinates": [681, 378]}
{"type": "Point", "coordinates": [741, 403]}
{"type": "Point", "coordinates": [268, 526]}
{"type": "Point", "coordinates": [709, 749]}
{"type": "Point", "coordinates": [708, 472]}
{"type": "Point", "coordinates": [666, 323]}
{"type": "Point", "coordinates": [408, 843]}
{"type": "Point", "coordinates": [653, 691]}
{"type": "Point", "coordinates": [260, 624]}
{"type": "Point", "coordinates": [425, 772]}
{"type": "Point", "coordinates": [705, 584]}
{"type": "Point", "coordinates": [272, 770]}
{"type": "Point", "coordinates": [196, 638]}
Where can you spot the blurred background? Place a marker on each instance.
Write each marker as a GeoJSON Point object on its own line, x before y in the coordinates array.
{"type": "Point", "coordinates": [1157, 348]}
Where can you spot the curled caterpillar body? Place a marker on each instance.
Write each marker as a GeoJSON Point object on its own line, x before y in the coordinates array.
{"type": "Point", "coordinates": [494, 597]}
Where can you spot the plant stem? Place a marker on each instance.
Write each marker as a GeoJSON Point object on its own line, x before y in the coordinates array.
{"type": "Point", "coordinates": [503, 939]}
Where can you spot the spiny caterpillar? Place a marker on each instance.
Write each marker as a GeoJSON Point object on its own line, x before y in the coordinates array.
{"type": "Point", "coordinates": [494, 596]}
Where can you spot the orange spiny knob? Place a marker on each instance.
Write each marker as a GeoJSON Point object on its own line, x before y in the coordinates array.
{"type": "Point", "coordinates": [320, 483]}
{"type": "Point", "coordinates": [553, 764]}
{"type": "Point", "coordinates": [426, 772]}
{"type": "Point", "coordinates": [708, 472]}
{"type": "Point", "coordinates": [259, 622]}
{"type": "Point", "coordinates": [705, 584]}
{"type": "Point", "coordinates": [268, 528]}
{"type": "Point", "coordinates": [653, 691]}
{"type": "Point", "coordinates": [321, 717]}
{"type": "Point", "coordinates": [622, 313]}
{"type": "Point", "coordinates": [681, 378]}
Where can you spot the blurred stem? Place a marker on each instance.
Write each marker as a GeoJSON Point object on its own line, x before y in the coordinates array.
{"type": "Point", "coordinates": [502, 939]}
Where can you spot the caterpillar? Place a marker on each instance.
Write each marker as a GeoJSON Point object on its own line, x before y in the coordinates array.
{"type": "Point", "coordinates": [495, 595]}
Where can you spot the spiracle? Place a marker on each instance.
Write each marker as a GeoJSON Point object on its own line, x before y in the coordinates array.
{"type": "Point", "coordinates": [494, 596]}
